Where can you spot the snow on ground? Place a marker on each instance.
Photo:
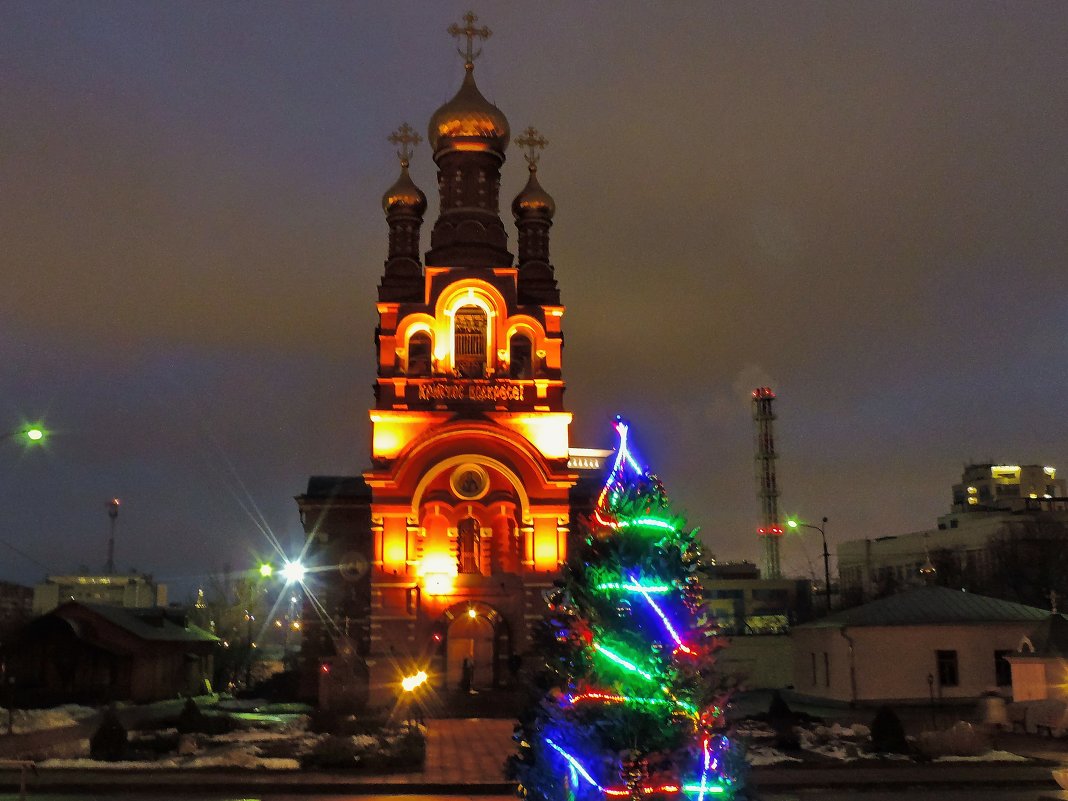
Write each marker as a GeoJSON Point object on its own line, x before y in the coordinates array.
{"type": "Point", "coordinates": [247, 758]}
{"type": "Point", "coordinates": [757, 755]}
{"type": "Point", "coordinates": [30, 720]}
{"type": "Point", "coordinates": [85, 762]}
{"type": "Point", "coordinates": [989, 756]}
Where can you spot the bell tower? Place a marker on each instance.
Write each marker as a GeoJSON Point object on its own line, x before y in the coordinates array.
{"type": "Point", "coordinates": [469, 480]}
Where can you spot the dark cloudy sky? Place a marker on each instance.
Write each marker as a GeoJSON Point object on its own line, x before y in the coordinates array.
{"type": "Point", "coordinates": [861, 203]}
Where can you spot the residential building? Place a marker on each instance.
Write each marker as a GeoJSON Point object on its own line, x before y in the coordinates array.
{"type": "Point", "coordinates": [130, 591]}
{"type": "Point", "coordinates": [990, 502]}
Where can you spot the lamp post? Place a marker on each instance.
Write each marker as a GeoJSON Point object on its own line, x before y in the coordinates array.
{"type": "Point", "coordinates": [249, 618]}
{"type": "Point", "coordinates": [33, 435]}
{"type": "Point", "coordinates": [826, 556]}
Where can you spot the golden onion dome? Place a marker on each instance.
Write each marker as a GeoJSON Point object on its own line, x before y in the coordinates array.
{"type": "Point", "coordinates": [533, 200]}
{"type": "Point", "coordinates": [468, 120]}
{"type": "Point", "coordinates": [404, 194]}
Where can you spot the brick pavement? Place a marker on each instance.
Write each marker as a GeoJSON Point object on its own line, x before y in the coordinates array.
{"type": "Point", "coordinates": [463, 751]}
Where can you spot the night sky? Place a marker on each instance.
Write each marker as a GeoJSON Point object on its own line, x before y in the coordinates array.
{"type": "Point", "coordinates": [862, 204]}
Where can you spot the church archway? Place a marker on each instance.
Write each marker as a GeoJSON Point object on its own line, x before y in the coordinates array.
{"type": "Point", "coordinates": [477, 643]}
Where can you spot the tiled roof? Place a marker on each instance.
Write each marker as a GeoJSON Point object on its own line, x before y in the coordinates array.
{"type": "Point", "coordinates": [931, 606]}
{"type": "Point", "coordinates": [147, 624]}
{"type": "Point", "coordinates": [337, 487]}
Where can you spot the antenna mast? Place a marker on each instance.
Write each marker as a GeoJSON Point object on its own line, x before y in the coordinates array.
{"type": "Point", "coordinates": [770, 530]}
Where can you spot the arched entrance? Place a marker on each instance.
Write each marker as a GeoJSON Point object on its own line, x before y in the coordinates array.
{"type": "Point", "coordinates": [476, 642]}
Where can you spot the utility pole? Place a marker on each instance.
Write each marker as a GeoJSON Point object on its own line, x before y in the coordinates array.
{"type": "Point", "coordinates": [113, 513]}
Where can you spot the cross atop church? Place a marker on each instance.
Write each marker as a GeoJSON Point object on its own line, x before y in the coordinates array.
{"type": "Point", "coordinates": [407, 138]}
{"type": "Point", "coordinates": [471, 32]}
{"type": "Point", "coordinates": [533, 142]}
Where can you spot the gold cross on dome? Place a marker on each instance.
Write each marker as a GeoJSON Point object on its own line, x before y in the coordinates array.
{"type": "Point", "coordinates": [533, 142]}
{"type": "Point", "coordinates": [471, 32]}
{"type": "Point", "coordinates": [407, 138]}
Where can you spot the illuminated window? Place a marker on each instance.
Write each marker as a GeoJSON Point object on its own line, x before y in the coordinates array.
{"type": "Point", "coordinates": [419, 354]}
{"type": "Point", "coordinates": [520, 364]}
{"type": "Point", "coordinates": [467, 547]}
{"type": "Point", "coordinates": [470, 344]}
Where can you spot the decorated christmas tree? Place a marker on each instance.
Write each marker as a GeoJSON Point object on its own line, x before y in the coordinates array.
{"type": "Point", "coordinates": [630, 704]}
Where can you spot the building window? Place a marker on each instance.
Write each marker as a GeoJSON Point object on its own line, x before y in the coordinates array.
{"type": "Point", "coordinates": [814, 679]}
{"type": "Point", "coordinates": [948, 675]}
{"type": "Point", "coordinates": [1002, 669]}
{"type": "Point", "coordinates": [520, 364]}
{"type": "Point", "coordinates": [419, 354]}
{"type": "Point", "coordinates": [470, 345]}
{"type": "Point", "coordinates": [468, 546]}
{"type": "Point", "coordinates": [826, 669]}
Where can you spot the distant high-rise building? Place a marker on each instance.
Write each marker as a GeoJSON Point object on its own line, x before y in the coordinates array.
{"type": "Point", "coordinates": [991, 501]}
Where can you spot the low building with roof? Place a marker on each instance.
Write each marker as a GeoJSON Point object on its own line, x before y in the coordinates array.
{"type": "Point", "coordinates": [922, 644]}
{"type": "Point", "coordinates": [97, 653]}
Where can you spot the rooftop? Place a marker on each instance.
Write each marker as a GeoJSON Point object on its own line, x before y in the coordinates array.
{"type": "Point", "coordinates": [932, 606]}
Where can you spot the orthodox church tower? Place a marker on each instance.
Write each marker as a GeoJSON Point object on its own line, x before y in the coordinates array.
{"type": "Point", "coordinates": [467, 500]}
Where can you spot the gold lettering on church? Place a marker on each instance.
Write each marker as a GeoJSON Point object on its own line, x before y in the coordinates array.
{"type": "Point", "coordinates": [480, 393]}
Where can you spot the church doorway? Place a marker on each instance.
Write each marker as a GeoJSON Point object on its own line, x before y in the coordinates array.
{"type": "Point", "coordinates": [470, 652]}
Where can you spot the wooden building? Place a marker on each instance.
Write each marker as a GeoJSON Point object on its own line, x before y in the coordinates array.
{"type": "Point", "coordinates": [94, 653]}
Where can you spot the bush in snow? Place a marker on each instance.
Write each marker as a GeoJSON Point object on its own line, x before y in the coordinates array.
{"type": "Point", "coordinates": [109, 742]}
{"type": "Point", "coordinates": [333, 751]}
{"type": "Point", "coordinates": [192, 721]}
{"type": "Point", "coordinates": [887, 733]}
{"type": "Point", "coordinates": [962, 739]}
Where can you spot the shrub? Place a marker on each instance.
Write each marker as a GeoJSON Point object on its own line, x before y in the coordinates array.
{"type": "Point", "coordinates": [778, 709]}
{"type": "Point", "coordinates": [192, 721]}
{"type": "Point", "coordinates": [887, 733]}
{"type": "Point", "coordinates": [109, 742]}
{"type": "Point", "coordinates": [333, 751]}
{"type": "Point", "coordinates": [962, 739]}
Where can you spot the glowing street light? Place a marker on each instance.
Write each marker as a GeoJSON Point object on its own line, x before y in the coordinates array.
{"type": "Point", "coordinates": [795, 524]}
{"type": "Point", "coordinates": [409, 683]}
{"type": "Point", "coordinates": [293, 572]}
{"type": "Point", "coordinates": [31, 434]}
{"type": "Point", "coordinates": [266, 570]}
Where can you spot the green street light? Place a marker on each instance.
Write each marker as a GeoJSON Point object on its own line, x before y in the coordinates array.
{"type": "Point", "coordinates": [266, 570]}
{"type": "Point", "coordinates": [794, 524]}
{"type": "Point", "coordinates": [30, 435]}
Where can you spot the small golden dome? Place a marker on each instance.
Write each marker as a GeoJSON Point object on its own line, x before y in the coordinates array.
{"type": "Point", "coordinates": [533, 201]}
{"type": "Point", "coordinates": [468, 120]}
{"type": "Point", "coordinates": [404, 193]}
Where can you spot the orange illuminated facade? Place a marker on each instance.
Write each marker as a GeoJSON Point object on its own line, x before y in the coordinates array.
{"type": "Point", "coordinates": [462, 521]}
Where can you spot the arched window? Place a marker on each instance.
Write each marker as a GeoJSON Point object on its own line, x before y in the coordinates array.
{"type": "Point", "coordinates": [469, 349]}
{"type": "Point", "coordinates": [520, 363]}
{"type": "Point", "coordinates": [419, 354]}
{"type": "Point", "coordinates": [468, 546]}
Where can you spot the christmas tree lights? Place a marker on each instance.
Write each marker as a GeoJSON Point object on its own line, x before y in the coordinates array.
{"type": "Point", "coordinates": [630, 705]}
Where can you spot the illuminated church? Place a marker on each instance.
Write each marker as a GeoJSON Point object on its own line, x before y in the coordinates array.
{"type": "Point", "coordinates": [445, 546]}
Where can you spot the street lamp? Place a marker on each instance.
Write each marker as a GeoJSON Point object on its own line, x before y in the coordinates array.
{"type": "Point", "coordinates": [293, 572]}
{"type": "Point", "coordinates": [31, 434]}
{"type": "Point", "coordinates": [826, 555]}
